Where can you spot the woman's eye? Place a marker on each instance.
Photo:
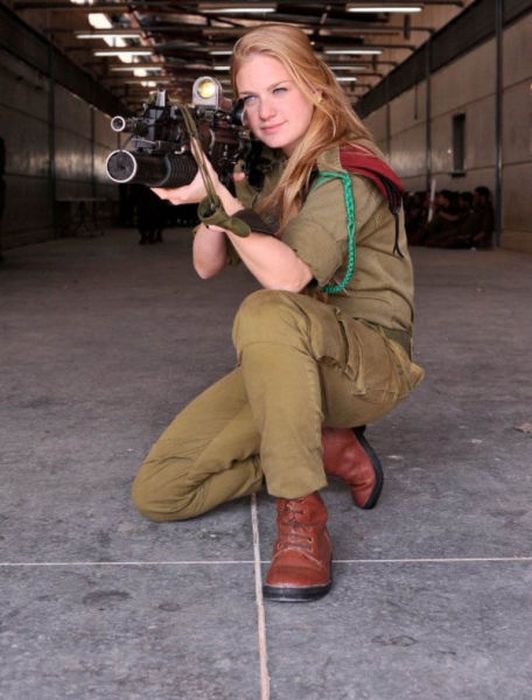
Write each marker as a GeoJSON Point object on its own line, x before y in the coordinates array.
{"type": "Point", "coordinates": [279, 90]}
{"type": "Point", "coordinates": [248, 98]}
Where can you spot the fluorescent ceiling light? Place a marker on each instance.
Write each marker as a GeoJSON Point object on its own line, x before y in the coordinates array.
{"type": "Point", "coordinates": [99, 21]}
{"type": "Point", "coordinates": [354, 52]}
{"type": "Point", "coordinates": [95, 35]}
{"type": "Point", "coordinates": [241, 8]}
{"type": "Point", "coordinates": [133, 67]}
{"type": "Point", "coordinates": [365, 7]}
{"type": "Point", "coordinates": [347, 80]}
{"type": "Point", "coordinates": [221, 67]}
{"type": "Point", "coordinates": [220, 52]}
{"type": "Point", "coordinates": [134, 52]}
{"type": "Point", "coordinates": [346, 67]}
{"type": "Point", "coordinates": [147, 83]}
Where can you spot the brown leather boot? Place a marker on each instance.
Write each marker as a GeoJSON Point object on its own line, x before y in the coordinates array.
{"type": "Point", "coordinates": [301, 566]}
{"type": "Point", "coordinates": [348, 455]}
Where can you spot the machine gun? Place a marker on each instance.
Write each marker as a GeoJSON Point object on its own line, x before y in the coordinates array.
{"type": "Point", "coordinates": [161, 153]}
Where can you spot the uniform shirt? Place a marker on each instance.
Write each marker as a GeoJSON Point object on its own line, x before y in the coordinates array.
{"type": "Point", "coordinates": [381, 290]}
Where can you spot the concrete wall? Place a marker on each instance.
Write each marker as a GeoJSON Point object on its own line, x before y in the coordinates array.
{"type": "Point", "coordinates": [56, 146]}
{"type": "Point", "coordinates": [468, 85]}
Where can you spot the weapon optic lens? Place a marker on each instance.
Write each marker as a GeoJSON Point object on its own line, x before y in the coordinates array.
{"type": "Point", "coordinates": [206, 88]}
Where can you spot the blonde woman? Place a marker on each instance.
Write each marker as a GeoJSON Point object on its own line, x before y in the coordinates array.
{"type": "Point", "coordinates": [324, 347]}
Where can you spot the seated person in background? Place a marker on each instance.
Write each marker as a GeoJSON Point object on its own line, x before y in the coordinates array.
{"type": "Point", "coordinates": [476, 228]}
{"type": "Point", "coordinates": [465, 204]}
{"type": "Point", "coordinates": [459, 234]}
{"type": "Point", "coordinates": [445, 221]}
{"type": "Point", "coordinates": [415, 216]}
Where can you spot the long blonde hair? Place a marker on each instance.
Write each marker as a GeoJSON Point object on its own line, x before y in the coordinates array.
{"type": "Point", "coordinates": [333, 121]}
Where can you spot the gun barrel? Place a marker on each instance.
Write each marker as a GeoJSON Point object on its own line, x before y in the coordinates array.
{"type": "Point", "coordinates": [153, 170]}
{"type": "Point", "coordinates": [118, 123]}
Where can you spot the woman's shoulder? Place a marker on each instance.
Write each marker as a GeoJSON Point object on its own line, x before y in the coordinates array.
{"type": "Point", "coordinates": [364, 162]}
{"type": "Point", "coordinates": [337, 156]}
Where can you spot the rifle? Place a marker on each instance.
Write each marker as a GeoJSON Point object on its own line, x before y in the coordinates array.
{"type": "Point", "coordinates": [160, 154]}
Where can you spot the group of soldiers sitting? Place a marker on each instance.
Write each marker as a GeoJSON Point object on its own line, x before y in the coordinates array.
{"type": "Point", "coordinates": [459, 219]}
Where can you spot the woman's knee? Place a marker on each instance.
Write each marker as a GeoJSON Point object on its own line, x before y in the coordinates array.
{"type": "Point", "coordinates": [264, 317]}
{"type": "Point", "coordinates": [156, 500]}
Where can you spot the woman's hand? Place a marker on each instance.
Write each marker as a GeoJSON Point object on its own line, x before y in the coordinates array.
{"type": "Point", "coordinates": [195, 191]}
{"type": "Point", "coordinates": [192, 193]}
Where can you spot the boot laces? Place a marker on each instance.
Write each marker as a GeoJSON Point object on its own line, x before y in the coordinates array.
{"type": "Point", "coordinates": [295, 533]}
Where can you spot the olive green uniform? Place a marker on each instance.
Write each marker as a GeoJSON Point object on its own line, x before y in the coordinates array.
{"type": "Point", "coordinates": [301, 364]}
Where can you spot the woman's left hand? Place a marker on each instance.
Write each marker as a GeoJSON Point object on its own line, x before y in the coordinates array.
{"type": "Point", "coordinates": [195, 191]}
{"type": "Point", "coordinates": [187, 194]}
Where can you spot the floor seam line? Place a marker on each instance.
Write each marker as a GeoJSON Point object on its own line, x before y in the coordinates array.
{"type": "Point", "coordinates": [254, 562]}
{"type": "Point", "coordinates": [214, 562]}
{"type": "Point", "coordinates": [261, 618]}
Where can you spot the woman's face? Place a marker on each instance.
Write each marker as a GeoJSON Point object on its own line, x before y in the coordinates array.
{"type": "Point", "coordinates": [276, 110]}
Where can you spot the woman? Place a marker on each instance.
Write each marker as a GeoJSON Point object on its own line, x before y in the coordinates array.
{"type": "Point", "coordinates": [324, 348]}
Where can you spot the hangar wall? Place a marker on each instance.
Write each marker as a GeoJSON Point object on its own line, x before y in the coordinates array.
{"type": "Point", "coordinates": [467, 85]}
{"type": "Point", "coordinates": [55, 144]}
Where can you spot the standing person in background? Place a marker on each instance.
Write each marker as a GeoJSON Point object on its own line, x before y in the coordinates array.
{"type": "Point", "coordinates": [325, 347]}
{"type": "Point", "coordinates": [2, 189]}
{"type": "Point", "coordinates": [151, 214]}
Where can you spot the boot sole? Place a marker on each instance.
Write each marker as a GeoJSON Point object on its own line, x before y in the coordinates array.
{"type": "Point", "coordinates": [377, 466]}
{"type": "Point", "coordinates": [295, 595]}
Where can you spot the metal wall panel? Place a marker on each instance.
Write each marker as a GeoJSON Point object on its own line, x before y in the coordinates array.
{"type": "Point", "coordinates": [71, 113]}
{"type": "Point", "coordinates": [408, 151]}
{"type": "Point", "coordinates": [467, 84]}
{"type": "Point", "coordinates": [105, 140]}
{"type": "Point", "coordinates": [24, 104]}
{"type": "Point", "coordinates": [517, 123]}
{"type": "Point", "coordinates": [73, 146]}
{"type": "Point", "coordinates": [464, 81]}
{"type": "Point", "coordinates": [408, 109]}
{"type": "Point", "coordinates": [103, 134]}
{"type": "Point", "coordinates": [22, 85]}
{"type": "Point", "coordinates": [28, 215]}
{"type": "Point", "coordinates": [26, 44]}
{"type": "Point", "coordinates": [51, 152]}
{"type": "Point", "coordinates": [376, 123]}
{"type": "Point", "coordinates": [470, 28]}
{"type": "Point", "coordinates": [517, 214]}
{"type": "Point", "coordinates": [517, 52]}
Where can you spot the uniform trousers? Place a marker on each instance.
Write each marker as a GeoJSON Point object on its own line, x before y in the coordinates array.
{"type": "Point", "coordinates": [301, 364]}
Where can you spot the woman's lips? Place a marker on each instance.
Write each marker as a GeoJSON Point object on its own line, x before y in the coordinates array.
{"type": "Point", "coordinates": [271, 128]}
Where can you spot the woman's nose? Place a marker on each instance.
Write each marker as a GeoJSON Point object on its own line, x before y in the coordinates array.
{"type": "Point", "coordinates": [266, 109]}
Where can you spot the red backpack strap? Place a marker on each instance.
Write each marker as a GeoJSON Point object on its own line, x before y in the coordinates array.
{"type": "Point", "coordinates": [359, 161]}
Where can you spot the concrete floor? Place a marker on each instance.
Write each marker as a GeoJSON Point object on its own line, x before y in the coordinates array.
{"type": "Point", "coordinates": [102, 342]}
